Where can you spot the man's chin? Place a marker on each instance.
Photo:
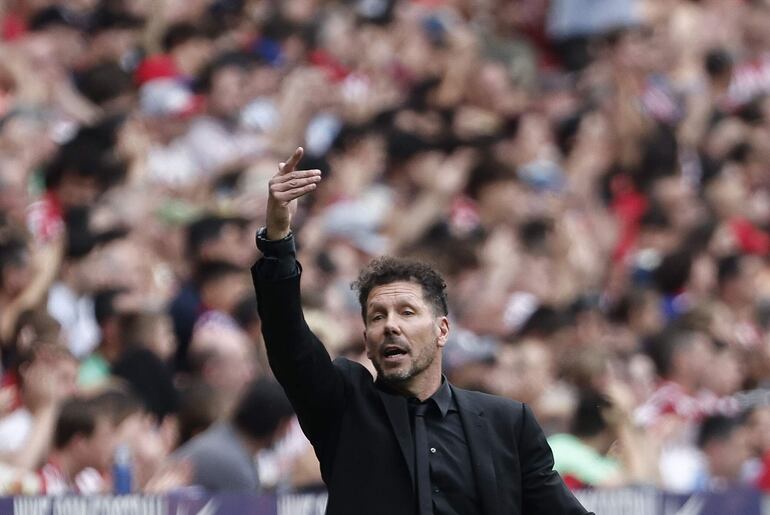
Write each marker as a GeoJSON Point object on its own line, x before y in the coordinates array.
{"type": "Point", "coordinates": [395, 375]}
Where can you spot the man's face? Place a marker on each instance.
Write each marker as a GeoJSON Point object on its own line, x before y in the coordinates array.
{"type": "Point", "coordinates": [227, 291]}
{"type": "Point", "coordinates": [692, 359]}
{"type": "Point", "coordinates": [402, 332]}
{"type": "Point", "coordinates": [227, 88]}
{"type": "Point", "coordinates": [66, 372]}
{"type": "Point", "coordinates": [97, 449]}
{"type": "Point", "coordinates": [15, 278]}
{"type": "Point", "coordinates": [193, 55]}
{"type": "Point", "coordinates": [230, 246]}
{"type": "Point", "coordinates": [77, 191]}
{"type": "Point", "coordinates": [727, 457]}
{"type": "Point", "coordinates": [233, 367]}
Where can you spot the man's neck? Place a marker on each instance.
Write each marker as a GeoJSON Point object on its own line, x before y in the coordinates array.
{"type": "Point", "coordinates": [688, 386]}
{"type": "Point", "coordinates": [66, 465]}
{"type": "Point", "coordinates": [422, 387]}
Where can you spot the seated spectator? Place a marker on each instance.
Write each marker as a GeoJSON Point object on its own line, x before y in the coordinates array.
{"type": "Point", "coordinates": [147, 339]}
{"type": "Point", "coordinates": [600, 423]}
{"type": "Point", "coordinates": [186, 49]}
{"type": "Point", "coordinates": [33, 328]}
{"type": "Point", "coordinates": [198, 409]}
{"type": "Point", "coordinates": [209, 238]}
{"type": "Point", "coordinates": [681, 358]}
{"type": "Point", "coordinates": [47, 377]}
{"type": "Point", "coordinates": [219, 140]}
{"type": "Point", "coordinates": [149, 379]}
{"type": "Point", "coordinates": [83, 446]}
{"type": "Point", "coordinates": [725, 446]}
{"type": "Point", "coordinates": [149, 443]}
{"type": "Point", "coordinates": [223, 456]}
{"type": "Point", "coordinates": [221, 286]}
{"type": "Point", "coordinates": [222, 356]}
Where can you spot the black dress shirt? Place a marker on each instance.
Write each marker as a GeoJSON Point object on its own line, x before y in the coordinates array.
{"type": "Point", "coordinates": [452, 485]}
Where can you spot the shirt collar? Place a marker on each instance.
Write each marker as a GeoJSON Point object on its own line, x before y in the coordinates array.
{"type": "Point", "coordinates": [443, 397]}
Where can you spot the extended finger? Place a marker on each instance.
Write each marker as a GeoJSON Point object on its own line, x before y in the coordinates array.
{"type": "Point", "coordinates": [299, 174]}
{"type": "Point", "coordinates": [294, 183]}
{"type": "Point", "coordinates": [289, 165]}
{"type": "Point", "coordinates": [288, 196]}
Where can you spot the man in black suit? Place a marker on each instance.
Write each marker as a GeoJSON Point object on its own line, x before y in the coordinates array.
{"type": "Point", "coordinates": [407, 443]}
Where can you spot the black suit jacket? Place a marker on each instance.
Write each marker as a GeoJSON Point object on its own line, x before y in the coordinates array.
{"type": "Point", "coordinates": [362, 437]}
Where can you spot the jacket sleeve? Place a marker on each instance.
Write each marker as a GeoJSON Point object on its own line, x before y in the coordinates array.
{"type": "Point", "coordinates": [543, 490]}
{"type": "Point", "coordinates": [300, 362]}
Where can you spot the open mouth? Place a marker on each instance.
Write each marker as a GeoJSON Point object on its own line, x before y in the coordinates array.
{"type": "Point", "coordinates": [392, 353]}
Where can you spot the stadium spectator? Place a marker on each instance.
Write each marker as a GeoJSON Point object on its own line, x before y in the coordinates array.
{"type": "Point", "coordinates": [725, 446]}
{"type": "Point", "coordinates": [209, 239]}
{"type": "Point", "coordinates": [46, 375]}
{"type": "Point", "coordinates": [83, 445]}
{"type": "Point", "coordinates": [222, 356]}
{"type": "Point", "coordinates": [602, 423]}
{"type": "Point", "coordinates": [223, 455]}
{"type": "Point", "coordinates": [147, 345]}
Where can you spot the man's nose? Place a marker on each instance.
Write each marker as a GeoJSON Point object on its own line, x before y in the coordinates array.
{"type": "Point", "coordinates": [391, 327]}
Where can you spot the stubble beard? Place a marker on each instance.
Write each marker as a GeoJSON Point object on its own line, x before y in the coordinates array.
{"type": "Point", "coordinates": [420, 363]}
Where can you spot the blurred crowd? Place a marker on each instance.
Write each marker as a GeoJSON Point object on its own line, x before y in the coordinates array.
{"type": "Point", "coordinates": [593, 180]}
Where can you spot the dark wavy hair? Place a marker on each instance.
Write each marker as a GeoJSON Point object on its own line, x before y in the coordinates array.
{"type": "Point", "coordinates": [386, 270]}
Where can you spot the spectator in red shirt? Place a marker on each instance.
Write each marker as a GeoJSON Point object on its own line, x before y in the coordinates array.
{"type": "Point", "coordinates": [84, 440]}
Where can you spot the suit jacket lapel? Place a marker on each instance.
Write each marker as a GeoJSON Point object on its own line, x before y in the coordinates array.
{"type": "Point", "coordinates": [398, 414]}
{"type": "Point", "coordinates": [477, 434]}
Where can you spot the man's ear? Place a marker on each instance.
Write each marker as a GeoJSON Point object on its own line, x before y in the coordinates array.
{"type": "Point", "coordinates": [442, 323]}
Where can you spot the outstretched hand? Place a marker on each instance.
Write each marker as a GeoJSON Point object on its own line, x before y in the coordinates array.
{"type": "Point", "coordinates": [285, 188]}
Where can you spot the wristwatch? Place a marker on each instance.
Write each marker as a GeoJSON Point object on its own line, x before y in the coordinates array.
{"type": "Point", "coordinates": [261, 238]}
{"type": "Point", "coordinates": [262, 235]}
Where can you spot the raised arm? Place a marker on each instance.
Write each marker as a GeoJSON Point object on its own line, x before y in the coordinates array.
{"type": "Point", "coordinates": [298, 359]}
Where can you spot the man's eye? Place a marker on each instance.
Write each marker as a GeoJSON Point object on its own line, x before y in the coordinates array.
{"type": "Point", "coordinates": [408, 312]}
{"type": "Point", "coordinates": [376, 317]}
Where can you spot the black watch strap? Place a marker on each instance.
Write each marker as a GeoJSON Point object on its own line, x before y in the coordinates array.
{"type": "Point", "coordinates": [275, 248]}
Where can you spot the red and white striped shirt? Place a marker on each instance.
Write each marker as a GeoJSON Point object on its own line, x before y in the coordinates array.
{"type": "Point", "coordinates": [53, 481]}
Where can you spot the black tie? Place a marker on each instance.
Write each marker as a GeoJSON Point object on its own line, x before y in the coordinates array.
{"type": "Point", "coordinates": [424, 499]}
